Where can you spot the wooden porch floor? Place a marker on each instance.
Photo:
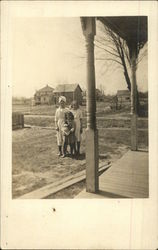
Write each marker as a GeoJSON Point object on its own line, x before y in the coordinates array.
{"type": "Point", "coordinates": [126, 178]}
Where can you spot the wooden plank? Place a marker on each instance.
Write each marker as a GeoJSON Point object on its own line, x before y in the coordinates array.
{"type": "Point", "coordinates": [60, 185]}
{"type": "Point", "coordinates": [128, 178]}
{"type": "Point", "coordinates": [124, 189]}
{"type": "Point", "coordinates": [117, 189]}
{"type": "Point", "coordinates": [125, 186]}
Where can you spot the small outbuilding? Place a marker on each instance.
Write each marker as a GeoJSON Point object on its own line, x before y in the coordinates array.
{"type": "Point", "coordinates": [70, 91]}
{"type": "Point", "coordinates": [44, 96]}
{"type": "Point", "coordinates": [17, 120]}
{"type": "Point", "coordinates": [123, 97]}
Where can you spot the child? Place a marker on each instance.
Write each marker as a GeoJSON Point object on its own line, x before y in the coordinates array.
{"type": "Point", "coordinates": [78, 122]}
{"type": "Point", "coordinates": [68, 131]}
{"type": "Point", "coordinates": [59, 121]}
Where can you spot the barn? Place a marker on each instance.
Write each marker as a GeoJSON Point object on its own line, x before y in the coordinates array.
{"type": "Point", "coordinates": [70, 91]}
{"type": "Point", "coordinates": [44, 96]}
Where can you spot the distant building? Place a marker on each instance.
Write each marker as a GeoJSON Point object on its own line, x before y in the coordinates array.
{"type": "Point", "coordinates": [44, 96]}
{"type": "Point", "coordinates": [123, 97]}
{"type": "Point", "coordinates": [99, 95]}
{"type": "Point", "coordinates": [70, 91]}
{"type": "Point", "coordinates": [84, 99]}
{"type": "Point", "coordinates": [33, 101]}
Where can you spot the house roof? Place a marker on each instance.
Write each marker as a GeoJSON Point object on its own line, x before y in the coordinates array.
{"type": "Point", "coordinates": [123, 92]}
{"type": "Point", "coordinates": [66, 88]}
{"type": "Point", "coordinates": [46, 88]}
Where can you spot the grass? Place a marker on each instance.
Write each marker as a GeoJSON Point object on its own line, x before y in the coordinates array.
{"type": "Point", "coordinates": [34, 151]}
{"type": "Point", "coordinates": [35, 160]}
{"type": "Point", "coordinates": [38, 109]}
{"type": "Point", "coordinates": [35, 110]}
{"type": "Point", "coordinates": [102, 122]}
{"type": "Point", "coordinates": [101, 109]}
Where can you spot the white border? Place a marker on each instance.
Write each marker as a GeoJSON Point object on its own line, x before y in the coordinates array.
{"type": "Point", "coordinates": [82, 224]}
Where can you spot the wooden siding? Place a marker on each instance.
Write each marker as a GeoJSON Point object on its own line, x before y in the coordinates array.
{"type": "Point", "coordinates": [71, 96]}
{"type": "Point", "coordinates": [17, 120]}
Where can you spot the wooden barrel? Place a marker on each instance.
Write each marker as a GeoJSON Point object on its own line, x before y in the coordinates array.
{"type": "Point", "coordinates": [17, 120]}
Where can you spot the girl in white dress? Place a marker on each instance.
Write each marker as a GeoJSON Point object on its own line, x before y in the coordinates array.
{"type": "Point", "coordinates": [59, 121]}
{"type": "Point", "coordinates": [78, 124]}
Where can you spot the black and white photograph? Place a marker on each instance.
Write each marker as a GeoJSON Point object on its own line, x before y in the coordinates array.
{"type": "Point", "coordinates": [79, 124]}
{"type": "Point", "coordinates": [80, 107]}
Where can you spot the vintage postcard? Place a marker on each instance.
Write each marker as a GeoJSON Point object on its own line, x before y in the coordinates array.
{"type": "Point", "coordinates": [79, 125]}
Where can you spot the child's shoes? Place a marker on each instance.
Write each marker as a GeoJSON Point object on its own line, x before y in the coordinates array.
{"type": "Point", "coordinates": [60, 154]}
{"type": "Point", "coordinates": [63, 156]}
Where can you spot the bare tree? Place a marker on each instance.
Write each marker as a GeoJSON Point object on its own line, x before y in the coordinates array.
{"type": "Point", "coordinates": [111, 48]}
{"type": "Point", "coordinates": [111, 51]}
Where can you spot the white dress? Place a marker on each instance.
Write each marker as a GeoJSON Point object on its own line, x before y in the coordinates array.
{"type": "Point", "coordinates": [77, 118]}
{"type": "Point", "coordinates": [59, 120]}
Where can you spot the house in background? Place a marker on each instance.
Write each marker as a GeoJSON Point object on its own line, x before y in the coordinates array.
{"type": "Point", "coordinates": [99, 95]}
{"type": "Point", "coordinates": [70, 91]}
{"type": "Point", "coordinates": [44, 96]}
{"type": "Point", "coordinates": [123, 97]}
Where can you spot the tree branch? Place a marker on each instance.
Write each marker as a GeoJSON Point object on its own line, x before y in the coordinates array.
{"type": "Point", "coordinates": [110, 59]}
{"type": "Point", "coordinates": [142, 56]}
{"type": "Point", "coordinates": [106, 50]}
{"type": "Point", "coordinates": [106, 45]}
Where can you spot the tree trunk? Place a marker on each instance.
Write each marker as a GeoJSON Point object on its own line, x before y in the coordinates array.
{"type": "Point", "coordinates": [138, 104]}
{"type": "Point", "coordinates": [127, 80]}
{"type": "Point", "coordinates": [129, 87]}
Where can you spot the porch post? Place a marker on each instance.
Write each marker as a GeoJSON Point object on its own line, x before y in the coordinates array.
{"type": "Point", "coordinates": [134, 111]}
{"type": "Point", "coordinates": [92, 185]}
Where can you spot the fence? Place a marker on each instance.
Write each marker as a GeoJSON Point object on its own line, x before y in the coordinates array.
{"type": "Point", "coordinates": [17, 120]}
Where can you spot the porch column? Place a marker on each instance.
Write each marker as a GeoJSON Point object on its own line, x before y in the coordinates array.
{"type": "Point", "coordinates": [92, 185]}
{"type": "Point", "coordinates": [134, 111]}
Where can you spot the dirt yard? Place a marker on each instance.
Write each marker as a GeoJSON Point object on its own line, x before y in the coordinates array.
{"type": "Point", "coordinates": [34, 151]}
{"type": "Point", "coordinates": [35, 160]}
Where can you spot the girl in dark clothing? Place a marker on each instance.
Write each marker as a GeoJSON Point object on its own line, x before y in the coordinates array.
{"type": "Point", "coordinates": [68, 131]}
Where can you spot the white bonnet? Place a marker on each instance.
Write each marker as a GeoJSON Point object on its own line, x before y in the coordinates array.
{"type": "Point", "coordinates": [62, 98]}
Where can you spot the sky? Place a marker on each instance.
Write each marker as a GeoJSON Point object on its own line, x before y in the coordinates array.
{"type": "Point", "coordinates": [52, 51]}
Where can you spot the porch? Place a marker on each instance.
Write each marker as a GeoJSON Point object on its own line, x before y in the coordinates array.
{"type": "Point", "coordinates": [123, 179]}
{"type": "Point", "coordinates": [127, 178]}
